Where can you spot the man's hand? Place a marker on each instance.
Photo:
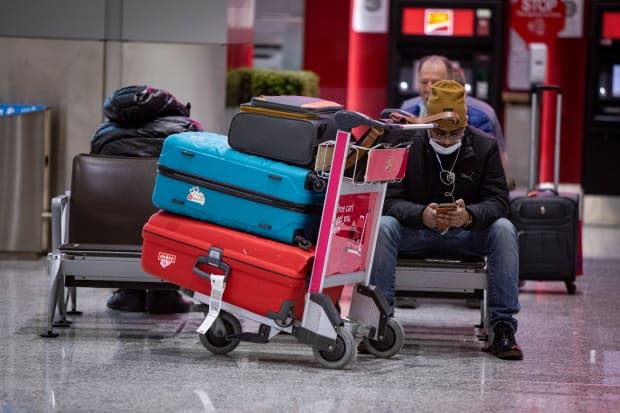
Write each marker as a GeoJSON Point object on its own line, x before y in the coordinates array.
{"type": "Point", "coordinates": [429, 215]}
{"type": "Point", "coordinates": [442, 218]}
{"type": "Point", "coordinates": [456, 218]}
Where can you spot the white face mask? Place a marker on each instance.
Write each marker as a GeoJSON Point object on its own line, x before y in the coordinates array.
{"type": "Point", "coordinates": [444, 150]}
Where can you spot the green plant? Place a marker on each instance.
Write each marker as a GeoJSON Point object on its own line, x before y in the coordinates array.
{"type": "Point", "coordinates": [244, 83]}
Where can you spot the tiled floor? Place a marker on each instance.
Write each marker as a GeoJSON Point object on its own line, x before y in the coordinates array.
{"type": "Point", "coordinates": [113, 361]}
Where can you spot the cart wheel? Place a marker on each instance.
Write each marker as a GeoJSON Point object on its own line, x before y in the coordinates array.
{"type": "Point", "coordinates": [341, 355]}
{"type": "Point", "coordinates": [215, 338]}
{"type": "Point", "coordinates": [290, 318]}
{"type": "Point", "coordinates": [392, 343]}
{"type": "Point", "coordinates": [571, 287]}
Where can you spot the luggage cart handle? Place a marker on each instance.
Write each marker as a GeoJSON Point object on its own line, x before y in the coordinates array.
{"type": "Point", "coordinates": [347, 120]}
{"type": "Point", "coordinates": [403, 117]}
{"type": "Point", "coordinates": [387, 113]}
{"type": "Point", "coordinates": [214, 259]}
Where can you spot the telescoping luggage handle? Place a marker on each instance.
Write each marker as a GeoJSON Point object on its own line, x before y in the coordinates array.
{"type": "Point", "coordinates": [535, 135]}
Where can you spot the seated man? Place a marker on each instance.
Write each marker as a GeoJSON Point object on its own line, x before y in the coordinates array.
{"type": "Point", "coordinates": [456, 164]}
{"type": "Point", "coordinates": [481, 115]}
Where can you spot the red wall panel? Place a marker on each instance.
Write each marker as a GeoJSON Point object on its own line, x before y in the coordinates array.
{"type": "Point", "coordinates": [326, 45]}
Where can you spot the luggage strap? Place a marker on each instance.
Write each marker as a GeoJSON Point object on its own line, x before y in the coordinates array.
{"type": "Point", "coordinates": [278, 113]}
{"type": "Point", "coordinates": [218, 285]}
{"type": "Point", "coordinates": [367, 142]}
{"type": "Point", "coordinates": [213, 258]}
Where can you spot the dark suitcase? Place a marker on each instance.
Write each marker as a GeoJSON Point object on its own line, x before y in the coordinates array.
{"type": "Point", "coordinates": [547, 221]}
{"type": "Point", "coordinates": [284, 128]}
{"type": "Point", "coordinates": [199, 175]}
{"type": "Point", "coordinates": [547, 225]}
{"type": "Point", "coordinates": [266, 277]}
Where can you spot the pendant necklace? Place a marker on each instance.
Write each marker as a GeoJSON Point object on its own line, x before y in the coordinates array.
{"type": "Point", "coordinates": [448, 177]}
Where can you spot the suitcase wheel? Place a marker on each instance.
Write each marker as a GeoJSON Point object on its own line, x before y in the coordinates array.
{"type": "Point", "coordinates": [315, 182]}
{"type": "Point", "coordinates": [217, 339]}
{"type": "Point", "coordinates": [571, 287]}
{"type": "Point", "coordinates": [319, 185]}
{"type": "Point", "coordinates": [340, 354]}
{"type": "Point", "coordinates": [392, 342]}
{"type": "Point", "coordinates": [302, 242]}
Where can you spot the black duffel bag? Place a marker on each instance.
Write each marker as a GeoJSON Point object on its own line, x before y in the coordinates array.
{"type": "Point", "coordinates": [286, 128]}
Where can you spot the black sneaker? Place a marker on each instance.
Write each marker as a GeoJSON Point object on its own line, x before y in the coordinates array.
{"type": "Point", "coordinates": [166, 302]}
{"type": "Point", "coordinates": [504, 344]}
{"type": "Point", "coordinates": [127, 299]}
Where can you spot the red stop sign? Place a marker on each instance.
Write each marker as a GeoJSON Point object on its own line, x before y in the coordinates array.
{"type": "Point", "coordinates": [537, 20]}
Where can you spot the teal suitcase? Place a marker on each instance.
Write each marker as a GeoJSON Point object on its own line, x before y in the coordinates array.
{"type": "Point", "coordinates": [200, 176]}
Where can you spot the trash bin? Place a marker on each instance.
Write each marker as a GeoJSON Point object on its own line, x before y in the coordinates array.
{"type": "Point", "coordinates": [24, 178]}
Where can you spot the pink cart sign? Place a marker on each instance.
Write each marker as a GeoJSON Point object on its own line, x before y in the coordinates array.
{"type": "Point", "coordinates": [352, 233]}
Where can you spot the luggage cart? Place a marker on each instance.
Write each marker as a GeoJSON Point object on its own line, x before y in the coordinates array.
{"type": "Point", "coordinates": [357, 181]}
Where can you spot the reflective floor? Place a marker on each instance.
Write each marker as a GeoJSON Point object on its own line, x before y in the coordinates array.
{"type": "Point", "coordinates": [113, 361]}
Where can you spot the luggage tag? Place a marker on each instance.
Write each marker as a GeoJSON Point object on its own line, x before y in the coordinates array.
{"type": "Point", "coordinates": [218, 285]}
{"type": "Point", "coordinates": [215, 303]}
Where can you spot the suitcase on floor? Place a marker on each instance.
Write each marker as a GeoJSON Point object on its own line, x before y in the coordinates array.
{"type": "Point", "coordinates": [199, 175]}
{"type": "Point", "coordinates": [284, 128]}
{"type": "Point", "coordinates": [547, 221]}
{"type": "Point", "coordinates": [266, 277]}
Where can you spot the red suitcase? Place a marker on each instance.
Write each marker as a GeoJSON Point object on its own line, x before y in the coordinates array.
{"type": "Point", "coordinates": [264, 274]}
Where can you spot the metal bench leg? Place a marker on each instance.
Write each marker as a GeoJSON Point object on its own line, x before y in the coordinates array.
{"type": "Point", "coordinates": [53, 267]}
{"type": "Point", "coordinates": [62, 304]}
{"type": "Point", "coordinates": [485, 323]}
{"type": "Point", "coordinates": [72, 296]}
{"type": "Point", "coordinates": [55, 297]}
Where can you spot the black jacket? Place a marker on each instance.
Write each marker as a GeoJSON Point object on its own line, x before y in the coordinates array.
{"type": "Point", "coordinates": [145, 140]}
{"type": "Point", "coordinates": [480, 182]}
{"type": "Point", "coordinates": [139, 119]}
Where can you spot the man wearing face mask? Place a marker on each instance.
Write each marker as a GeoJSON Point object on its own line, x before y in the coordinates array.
{"type": "Point", "coordinates": [456, 164]}
{"type": "Point", "coordinates": [433, 68]}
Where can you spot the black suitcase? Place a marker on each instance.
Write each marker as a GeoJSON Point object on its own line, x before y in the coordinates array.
{"type": "Point", "coordinates": [285, 128]}
{"type": "Point", "coordinates": [547, 221]}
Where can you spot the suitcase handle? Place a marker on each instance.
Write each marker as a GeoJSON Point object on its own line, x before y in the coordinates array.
{"type": "Point", "coordinates": [214, 259]}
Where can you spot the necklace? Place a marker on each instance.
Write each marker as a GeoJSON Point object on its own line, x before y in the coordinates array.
{"type": "Point", "coordinates": [448, 177]}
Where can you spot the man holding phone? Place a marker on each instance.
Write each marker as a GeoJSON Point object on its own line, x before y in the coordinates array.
{"type": "Point", "coordinates": [454, 202]}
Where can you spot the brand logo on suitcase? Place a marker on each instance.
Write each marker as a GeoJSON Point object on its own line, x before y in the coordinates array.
{"type": "Point", "coordinates": [196, 196]}
{"type": "Point", "coordinates": [166, 259]}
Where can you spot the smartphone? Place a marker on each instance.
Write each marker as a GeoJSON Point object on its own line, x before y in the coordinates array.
{"type": "Point", "coordinates": [442, 209]}
{"type": "Point", "coordinates": [448, 206]}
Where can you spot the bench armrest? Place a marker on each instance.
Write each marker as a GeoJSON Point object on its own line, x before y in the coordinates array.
{"type": "Point", "coordinates": [60, 220]}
